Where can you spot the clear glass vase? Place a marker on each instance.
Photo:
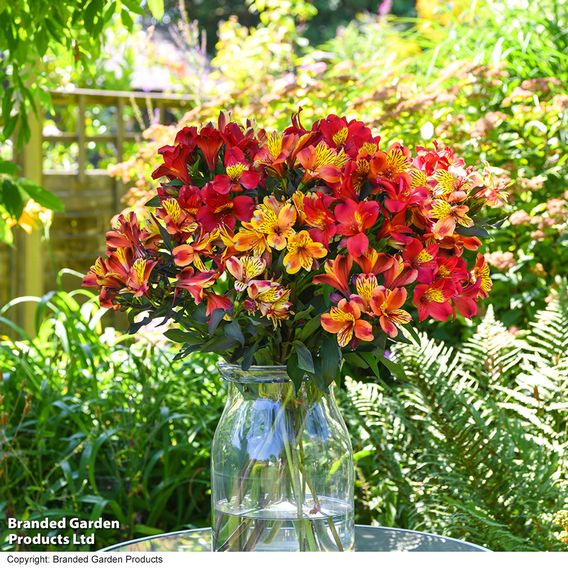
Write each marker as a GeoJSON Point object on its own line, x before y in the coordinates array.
{"type": "Point", "coordinates": [282, 466]}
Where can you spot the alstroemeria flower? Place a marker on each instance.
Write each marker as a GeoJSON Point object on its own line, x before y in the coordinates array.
{"type": "Point", "coordinates": [217, 302]}
{"type": "Point", "coordinates": [421, 259]}
{"type": "Point", "coordinates": [321, 162]}
{"type": "Point", "coordinates": [137, 280]}
{"type": "Point", "coordinates": [441, 157]}
{"type": "Point", "coordinates": [222, 209]}
{"type": "Point", "coordinates": [244, 269]}
{"type": "Point", "coordinates": [466, 300]}
{"type": "Point", "coordinates": [345, 321]}
{"type": "Point", "coordinates": [387, 167]}
{"type": "Point", "coordinates": [399, 273]}
{"type": "Point", "coordinates": [373, 262]}
{"type": "Point", "coordinates": [454, 184]}
{"type": "Point", "coordinates": [248, 239]}
{"type": "Point", "coordinates": [401, 195]}
{"type": "Point", "coordinates": [318, 216]}
{"type": "Point", "coordinates": [482, 274]}
{"type": "Point", "coordinates": [239, 174]}
{"type": "Point", "coordinates": [434, 300]}
{"type": "Point", "coordinates": [302, 251]}
{"type": "Point", "coordinates": [338, 133]}
{"type": "Point", "coordinates": [386, 304]}
{"type": "Point", "coordinates": [336, 274]}
{"type": "Point", "coordinates": [276, 151]}
{"type": "Point", "coordinates": [365, 285]}
{"type": "Point", "coordinates": [100, 274]}
{"type": "Point", "coordinates": [275, 219]}
{"type": "Point", "coordinates": [447, 216]}
{"type": "Point", "coordinates": [195, 282]}
{"type": "Point", "coordinates": [396, 230]}
{"type": "Point", "coordinates": [209, 141]}
{"type": "Point", "coordinates": [178, 222]}
{"type": "Point", "coordinates": [354, 220]}
{"type": "Point", "coordinates": [190, 253]}
{"type": "Point", "coordinates": [453, 267]}
{"type": "Point", "coordinates": [125, 233]}
{"type": "Point", "coordinates": [176, 163]}
{"type": "Point", "coordinates": [272, 299]}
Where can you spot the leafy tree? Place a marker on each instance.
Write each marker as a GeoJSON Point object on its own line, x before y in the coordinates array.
{"type": "Point", "coordinates": [30, 32]}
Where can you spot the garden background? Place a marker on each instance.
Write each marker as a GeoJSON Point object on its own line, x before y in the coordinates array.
{"type": "Point", "coordinates": [470, 442]}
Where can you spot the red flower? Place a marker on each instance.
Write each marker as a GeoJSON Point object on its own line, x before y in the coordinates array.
{"type": "Point", "coordinates": [176, 162]}
{"type": "Point", "coordinates": [466, 300]}
{"type": "Point", "coordinates": [434, 299]}
{"type": "Point", "coordinates": [217, 302]}
{"type": "Point", "coordinates": [354, 220]}
{"type": "Point", "coordinates": [317, 214]}
{"type": "Point", "coordinates": [338, 133]}
{"type": "Point", "coordinates": [482, 275]}
{"type": "Point", "coordinates": [336, 274]}
{"type": "Point", "coordinates": [125, 234]}
{"type": "Point", "coordinates": [396, 230]}
{"type": "Point", "coordinates": [209, 141]}
{"type": "Point", "coordinates": [400, 273]}
{"type": "Point", "coordinates": [421, 259]}
{"type": "Point", "coordinates": [195, 282]}
{"type": "Point", "coordinates": [222, 209]}
{"type": "Point", "coordinates": [373, 262]}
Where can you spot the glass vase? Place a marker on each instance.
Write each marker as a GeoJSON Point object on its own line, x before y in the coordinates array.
{"type": "Point", "coordinates": [282, 466]}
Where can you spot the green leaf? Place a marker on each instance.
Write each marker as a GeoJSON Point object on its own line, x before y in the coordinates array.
{"type": "Point", "coordinates": [329, 360]}
{"type": "Point", "coordinates": [395, 369]}
{"type": "Point", "coordinates": [370, 359]}
{"type": "Point", "coordinates": [180, 336]}
{"type": "Point", "coordinates": [215, 320]}
{"type": "Point", "coordinates": [42, 196]}
{"type": "Point", "coordinates": [6, 235]}
{"type": "Point", "coordinates": [307, 330]}
{"type": "Point", "coordinates": [9, 168]}
{"type": "Point", "coordinates": [305, 359]}
{"type": "Point", "coordinates": [294, 372]}
{"type": "Point", "coordinates": [156, 8]}
{"type": "Point", "coordinates": [12, 198]}
{"type": "Point", "coordinates": [154, 202]}
{"type": "Point", "coordinates": [233, 330]}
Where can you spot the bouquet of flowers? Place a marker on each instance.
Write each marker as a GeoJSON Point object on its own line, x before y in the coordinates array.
{"type": "Point", "coordinates": [295, 255]}
{"type": "Point", "coordinates": [307, 248]}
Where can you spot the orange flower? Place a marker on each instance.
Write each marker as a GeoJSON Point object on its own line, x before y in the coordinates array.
{"type": "Point", "coordinates": [336, 274]}
{"type": "Point", "coordinates": [301, 252]}
{"type": "Point", "coordinates": [345, 320]}
{"type": "Point", "coordinates": [481, 272]}
{"type": "Point", "coordinates": [386, 305]}
{"type": "Point", "coordinates": [275, 219]}
{"type": "Point", "coordinates": [248, 239]}
{"type": "Point", "coordinates": [321, 162]}
{"type": "Point", "coordinates": [190, 253]}
{"type": "Point", "coordinates": [447, 216]}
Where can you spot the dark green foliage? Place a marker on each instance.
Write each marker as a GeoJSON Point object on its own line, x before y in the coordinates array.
{"type": "Point", "coordinates": [94, 425]}
{"type": "Point", "coordinates": [472, 443]}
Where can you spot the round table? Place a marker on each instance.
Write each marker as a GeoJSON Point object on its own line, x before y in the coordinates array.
{"type": "Point", "coordinates": [367, 539]}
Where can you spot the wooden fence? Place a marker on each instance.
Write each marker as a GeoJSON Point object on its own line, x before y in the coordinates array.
{"type": "Point", "coordinates": [90, 196]}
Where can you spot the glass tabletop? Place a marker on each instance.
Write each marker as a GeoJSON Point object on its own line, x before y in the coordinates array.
{"type": "Point", "coordinates": [367, 539]}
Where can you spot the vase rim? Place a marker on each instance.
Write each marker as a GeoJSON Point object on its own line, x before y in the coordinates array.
{"type": "Point", "coordinates": [254, 374]}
